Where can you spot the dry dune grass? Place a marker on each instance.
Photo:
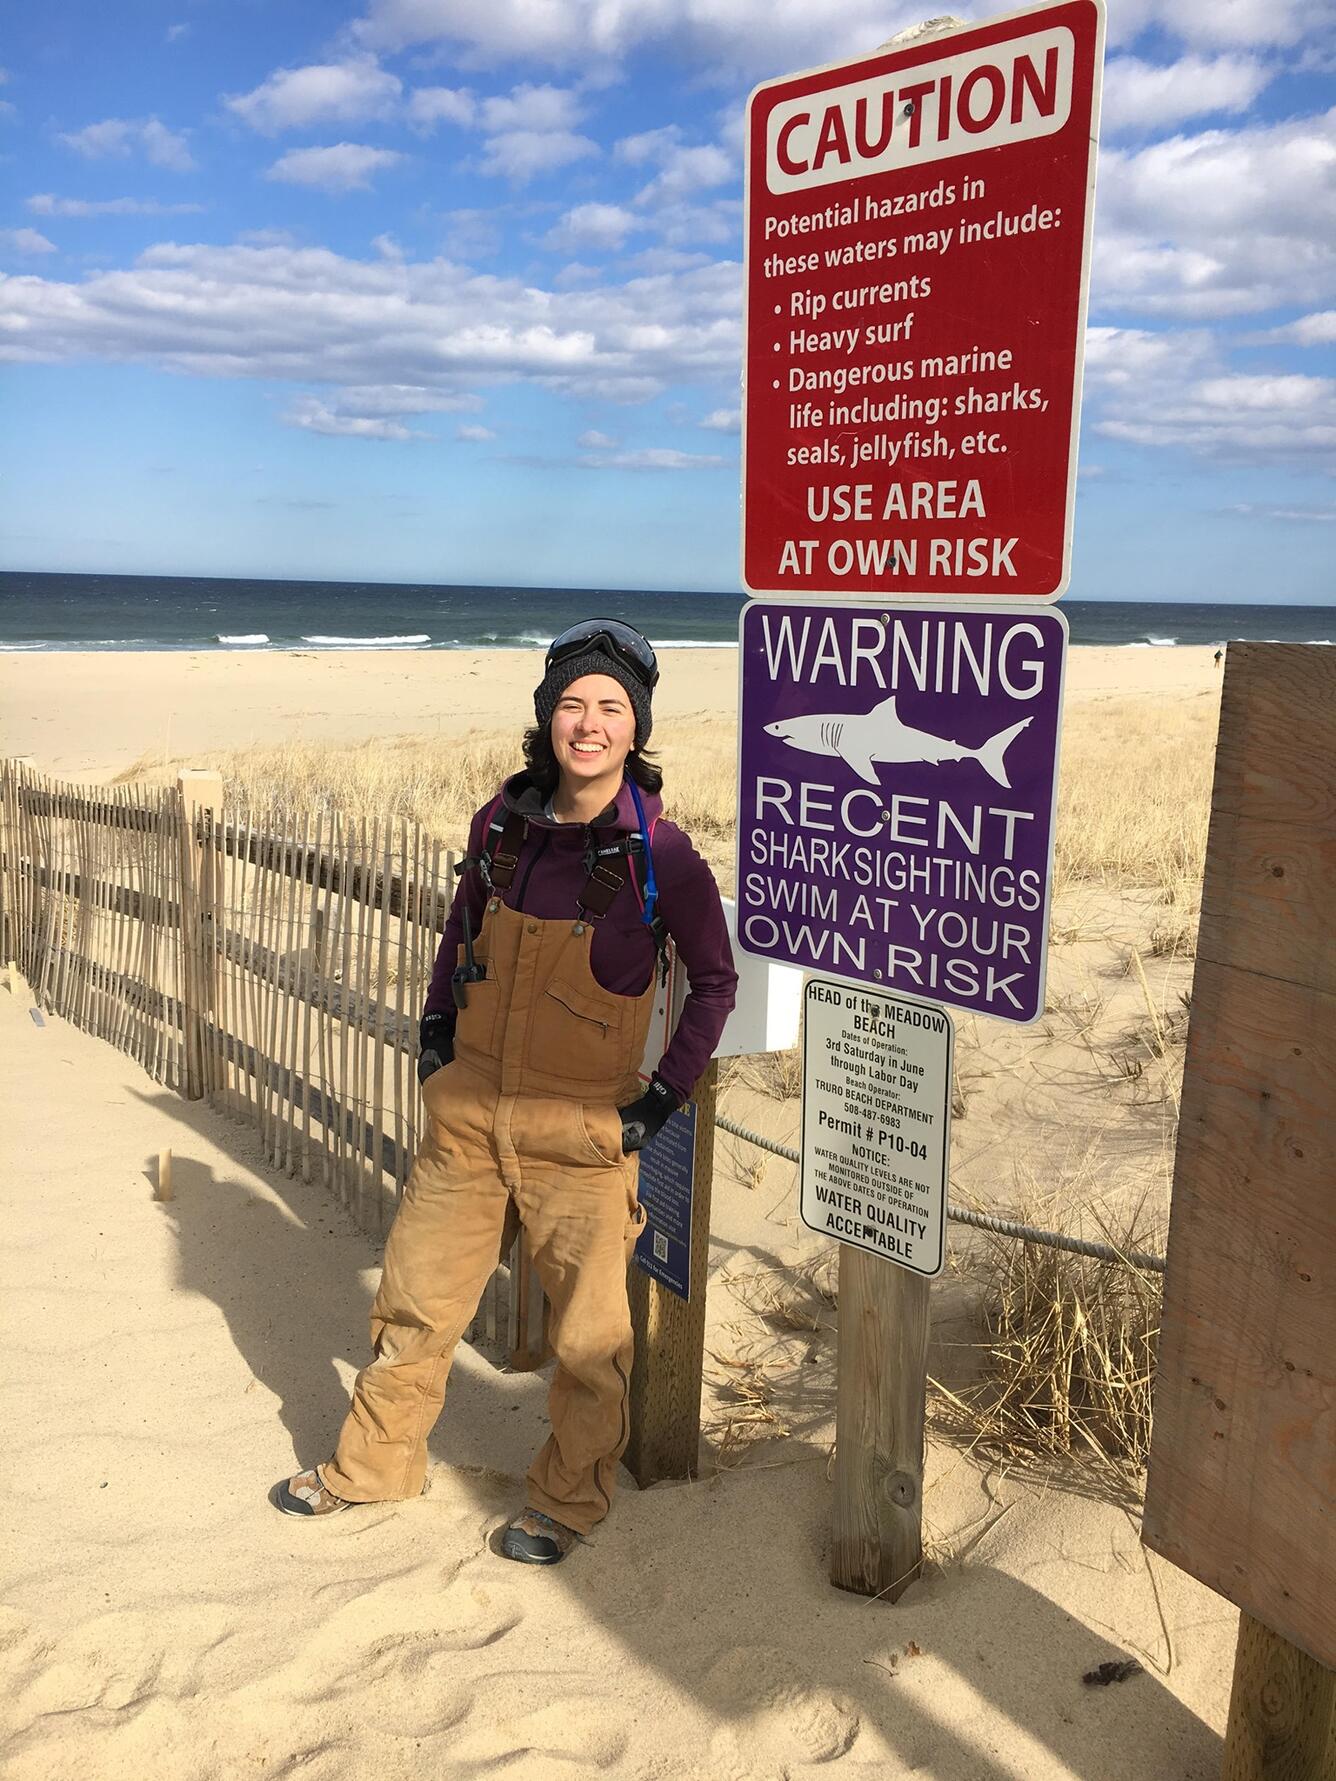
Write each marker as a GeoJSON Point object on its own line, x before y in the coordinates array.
{"type": "Point", "coordinates": [1133, 804]}
{"type": "Point", "coordinates": [1134, 789]}
{"type": "Point", "coordinates": [1067, 1343]}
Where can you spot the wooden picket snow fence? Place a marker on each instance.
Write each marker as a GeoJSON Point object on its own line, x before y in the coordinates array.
{"type": "Point", "coordinates": [270, 961]}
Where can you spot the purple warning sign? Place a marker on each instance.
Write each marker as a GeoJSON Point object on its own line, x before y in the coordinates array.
{"type": "Point", "coordinates": [897, 772]}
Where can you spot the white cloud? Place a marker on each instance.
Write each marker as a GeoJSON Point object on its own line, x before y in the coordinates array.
{"type": "Point", "coordinates": [47, 204]}
{"type": "Point", "coordinates": [684, 168]}
{"type": "Point", "coordinates": [26, 241]}
{"type": "Point", "coordinates": [1274, 510]}
{"type": "Point", "coordinates": [1226, 222]}
{"type": "Point", "coordinates": [322, 92]}
{"type": "Point", "coordinates": [402, 398]}
{"type": "Point", "coordinates": [1173, 389]}
{"type": "Point", "coordinates": [343, 167]}
{"type": "Point", "coordinates": [522, 155]}
{"type": "Point", "coordinates": [752, 36]}
{"type": "Point", "coordinates": [1224, 22]}
{"type": "Point", "coordinates": [1147, 96]}
{"type": "Point", "coordinates": [530, 131]}
{"type": "Point", "coordinates": [121, 137]}
{"type": "Point", "coordinates": [723, 420]}
{"type": "Point", "coordinates": [429, 106]}
{"type": "Point", "coordinates": [531, 108]}
{"type": "Point", "coordinates": [603, 227]}
{"type": "Point", "coordinates": [593, 440]}
{"type": "Point", "coordinates": [648, 146]}
{"type": "Point", "coordinates": [315, 416]}
{"type": "Point", "coordinates": [305, 315]}
{"type": "Point", "coordinates": [471, 234]}
{"type": "Point", "coordinates": [474, 433]}
{"type": "Point", "coordinates": [1309, 330]}
{"type": "Point", "coordinates": [651, 457]}
{"type": "Point", "coordinates": [176, 32]}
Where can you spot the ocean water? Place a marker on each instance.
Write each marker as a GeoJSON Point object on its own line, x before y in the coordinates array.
{"type": "Point", "coordinates": [53, 612]}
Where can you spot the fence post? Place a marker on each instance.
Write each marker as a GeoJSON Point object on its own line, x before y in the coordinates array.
{"type": "Point", "coordinates": [876, 1543]}
{"type": "Point", "coordinates": [670, 1332]}
{"type": "Point", "coordinates": [1282, 1711]}
{"type": "Point", "coordinates": [200, 788]}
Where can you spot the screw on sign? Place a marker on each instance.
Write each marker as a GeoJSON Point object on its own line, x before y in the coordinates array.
{"type": "Point", "coordinates": [917, 262]}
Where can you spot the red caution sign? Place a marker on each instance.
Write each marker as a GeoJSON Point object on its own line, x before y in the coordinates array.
{"type": "Point", "coordinates": [917, 262]}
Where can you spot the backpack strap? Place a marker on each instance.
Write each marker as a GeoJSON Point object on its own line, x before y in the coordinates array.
{"type": "Point", "coordinates": [608, 873]}
{"type": "Point", "coordinates": [503, 836]}
{"type": "Point", "coordinates": [626, 858]}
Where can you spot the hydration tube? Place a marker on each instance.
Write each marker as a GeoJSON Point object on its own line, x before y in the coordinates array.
{"type": "Point", "coordinates": [651, 887]}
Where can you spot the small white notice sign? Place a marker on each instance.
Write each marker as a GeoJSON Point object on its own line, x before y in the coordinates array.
{"type": "Point", "coordinates": [876, 1116]}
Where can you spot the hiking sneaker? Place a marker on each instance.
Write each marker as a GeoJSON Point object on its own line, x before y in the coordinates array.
{"type": "Point", "coordinates": [306, 1494]}
{"type": "Point", "coordinates": [535, 1539]}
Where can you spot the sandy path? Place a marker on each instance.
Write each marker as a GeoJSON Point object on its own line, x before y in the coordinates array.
{"type": "Point", "coordinates": [169, 1361]}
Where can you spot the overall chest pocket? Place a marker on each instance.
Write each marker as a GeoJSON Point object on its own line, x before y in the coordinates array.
{"type": "Point", "coordinates": [578, 1034]}
{"type": "Point", "coordinates": [475, 1024]}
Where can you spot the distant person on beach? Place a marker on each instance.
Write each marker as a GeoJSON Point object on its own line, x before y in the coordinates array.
{"type": "Point", "coordinates": [1219, 657]}
{"type": "Point", "coordinates": [531, 1040]}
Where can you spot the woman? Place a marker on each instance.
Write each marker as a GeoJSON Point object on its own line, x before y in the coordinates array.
{"type": "Point", "coordinates": [531, 1039]}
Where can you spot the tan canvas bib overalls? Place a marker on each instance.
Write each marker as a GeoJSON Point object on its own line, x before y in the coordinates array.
{"type": "Point", "coordinates": [522, 1124]}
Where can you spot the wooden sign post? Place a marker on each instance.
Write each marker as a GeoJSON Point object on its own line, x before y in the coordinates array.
{"type": "Point", "coordinates": [877, 1518]}
{"type": "Point", "coordinates": [1241, 1487]}
{"type": "Point", "coordinates": [670, 1332]}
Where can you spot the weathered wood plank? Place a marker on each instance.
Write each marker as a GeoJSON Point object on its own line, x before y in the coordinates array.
{"type": "Point", "coordinates": [1277, 740]}
{"type": "Point", "coordinates": [1241, 1486]}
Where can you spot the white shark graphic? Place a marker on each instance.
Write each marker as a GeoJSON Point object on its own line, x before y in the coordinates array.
{"type": "Point", "coordinates": [861, 740]}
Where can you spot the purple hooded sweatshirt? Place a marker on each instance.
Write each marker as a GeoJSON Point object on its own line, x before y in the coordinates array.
{"type": "Point", "coordinates": [547, 884]}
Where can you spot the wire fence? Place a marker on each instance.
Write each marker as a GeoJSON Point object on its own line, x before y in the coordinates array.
{"type": "Point", "coordinates": [985, 1221]}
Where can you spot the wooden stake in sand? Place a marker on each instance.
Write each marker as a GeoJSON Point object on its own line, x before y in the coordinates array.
{"type": "Point", "coordinates": [200, 789]}
{"type": "Point", "coordinates": [164, 1174]}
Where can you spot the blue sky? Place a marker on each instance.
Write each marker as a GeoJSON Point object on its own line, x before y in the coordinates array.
{"type": "Point", "coordinates": [450, 290]}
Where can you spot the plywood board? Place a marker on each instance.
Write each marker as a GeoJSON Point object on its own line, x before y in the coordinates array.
{"type": "Point", "coordinates": [1241, 1490]}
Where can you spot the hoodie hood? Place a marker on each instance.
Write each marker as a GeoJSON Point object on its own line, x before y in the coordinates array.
{"type": "Point", "coordinates": [519, 794]}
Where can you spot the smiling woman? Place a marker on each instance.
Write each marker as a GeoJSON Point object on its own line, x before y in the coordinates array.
{"type": "Point", "coordinates": [531, 1041]}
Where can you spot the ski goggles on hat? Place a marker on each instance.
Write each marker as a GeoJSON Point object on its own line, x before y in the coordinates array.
{"type": "Point", "coordinates": [609, 637]}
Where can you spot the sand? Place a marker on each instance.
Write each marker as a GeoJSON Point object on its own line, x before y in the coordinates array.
{"type": "Point", "coordinates": [86, 715]}
{"type": "Point", "coordinates": [169, 1361]}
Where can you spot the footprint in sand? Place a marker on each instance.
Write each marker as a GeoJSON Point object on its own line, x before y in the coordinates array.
{"type": "Point", "coordinates": [574, 1735]}
{"type": "Point", "coordinates": [389, 1654]}
{"type": "Point", "coordinates": [776, 1718]}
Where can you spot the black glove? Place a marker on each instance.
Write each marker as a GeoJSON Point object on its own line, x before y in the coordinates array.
{"type": "Point", "coordinates": [643, 1118]}
{"type": "Point", "coordinates": [436, 1043]}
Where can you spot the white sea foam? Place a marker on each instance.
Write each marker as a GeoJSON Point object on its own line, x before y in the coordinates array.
{"type": "Point", "coordinates": [244, 637]}
{"type": "Point", "coordinates": [369, 642]}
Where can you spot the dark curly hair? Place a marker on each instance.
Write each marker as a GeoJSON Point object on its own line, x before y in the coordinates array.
{"type": "Point", "coordinates": [545, 773]}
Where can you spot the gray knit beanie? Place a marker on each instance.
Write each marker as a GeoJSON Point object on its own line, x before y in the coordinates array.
{"type": "Point", "coordinates": [561, 674]}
